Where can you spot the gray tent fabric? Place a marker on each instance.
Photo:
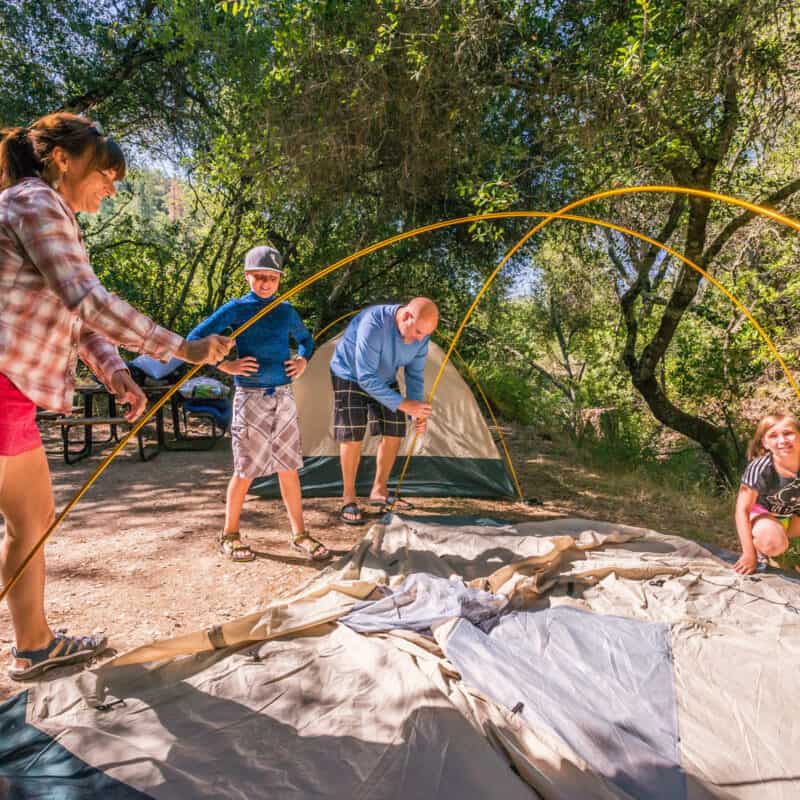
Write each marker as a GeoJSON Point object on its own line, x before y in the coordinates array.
{"type": "Point", "coordinates": [623, 722]}
{"type": "Point", "coordinates": [625, 664]}
{"type": "Point", "coordinates": [33, 766]}
{"type": "Point", "coordinates": [534, 660]}
{"type": "Point", "coordinates": [423, 601]}
{"type": "Point", "coordinates": [332, 716]}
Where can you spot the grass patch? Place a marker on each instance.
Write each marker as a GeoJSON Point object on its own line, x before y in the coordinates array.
{"type": "Point", "coordinates": [589, 481]}
{"type": "Point", "coordinates": [790, 560]}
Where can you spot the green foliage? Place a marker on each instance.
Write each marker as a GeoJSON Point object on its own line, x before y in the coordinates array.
{"type": "Point", "coordinates": [510, 395]}
{"type": "Point", "coordinates": [688, 469]}
{"type": "Point", "coordinates": [325, 126]}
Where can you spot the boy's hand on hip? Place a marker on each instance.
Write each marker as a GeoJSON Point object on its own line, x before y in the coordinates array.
{"type": "Point", "coordinates": [209, 350]}
{"type": "Point", "coordinates": [240, 366]}
{"type": "Point", "coordinates": [126, 390]}
{"type": "Point", "coordinates": [295, 367]}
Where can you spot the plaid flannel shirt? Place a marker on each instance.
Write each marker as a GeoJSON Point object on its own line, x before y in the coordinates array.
{"type": "Point", "coordinates": [53, 308]}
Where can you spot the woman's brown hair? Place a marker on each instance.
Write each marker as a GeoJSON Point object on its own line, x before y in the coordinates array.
{"type": "Point", "coordinates": [28, 152]}
{"type": "Point", "coordinates": [755, 447]}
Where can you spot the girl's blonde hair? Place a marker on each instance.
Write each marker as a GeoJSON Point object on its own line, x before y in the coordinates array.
{"type": "Point", "coordinates": [756, 448]}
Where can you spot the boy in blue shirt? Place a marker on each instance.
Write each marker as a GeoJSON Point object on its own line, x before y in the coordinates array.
{"type": "Point", "coordinates": [264, 432]}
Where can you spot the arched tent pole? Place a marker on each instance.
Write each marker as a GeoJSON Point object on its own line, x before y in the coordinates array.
{"type": "Point", "coordinates": [477, 385]}
{"type": "Point", "coordinates": [317, 276]}
{"type": "Point", "coordinates": [336, 321]}
{"type": "Point", "coordinates": [562, 214]}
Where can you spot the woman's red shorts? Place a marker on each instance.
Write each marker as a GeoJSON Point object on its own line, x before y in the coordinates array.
{"type": "Point", "coordinates": [18, 431]}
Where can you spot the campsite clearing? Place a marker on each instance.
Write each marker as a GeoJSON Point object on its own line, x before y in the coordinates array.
{"type": "Point", "coordinates": [137, 556]}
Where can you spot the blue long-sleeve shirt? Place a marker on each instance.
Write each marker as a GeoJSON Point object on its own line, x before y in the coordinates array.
{"type": "Point", "coordinates": [267, 340]}
{"type": "Point", "coordinates": [372, 350]}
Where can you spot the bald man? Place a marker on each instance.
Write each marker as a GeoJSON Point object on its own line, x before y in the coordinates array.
{"type": "Point", "coordinates": [377, 343]}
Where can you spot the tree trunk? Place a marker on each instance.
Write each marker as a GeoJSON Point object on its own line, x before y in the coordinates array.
{"type": "Point", "coordinates": [644, 368]}
{"type": "Point", "coordinates": [712, 438]}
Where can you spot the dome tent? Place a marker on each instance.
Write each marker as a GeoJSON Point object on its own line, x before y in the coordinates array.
{"type": "Point", "coordinates": [456, 457]}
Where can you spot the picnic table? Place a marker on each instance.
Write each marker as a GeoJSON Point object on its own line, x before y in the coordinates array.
{"type": "Point", "coordinates": [179, 415]}
{"type": "Point", "coordinates": [96, 413]}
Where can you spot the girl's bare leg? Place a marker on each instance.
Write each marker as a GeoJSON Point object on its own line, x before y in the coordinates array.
{"type": "Point", "coordinates": [769, 537]}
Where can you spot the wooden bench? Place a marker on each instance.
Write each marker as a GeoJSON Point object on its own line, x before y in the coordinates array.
{"type": "Point", "coordinates": [88, 423]}
{"type": "Point", "coordinates": [48, 416]}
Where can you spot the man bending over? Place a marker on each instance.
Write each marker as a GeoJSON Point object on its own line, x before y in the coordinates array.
{"type": "Point", "coordinates": [377, 342]}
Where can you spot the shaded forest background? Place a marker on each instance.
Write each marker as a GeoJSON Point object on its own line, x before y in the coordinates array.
{"type": "Point", "coordinates": [327, 125]}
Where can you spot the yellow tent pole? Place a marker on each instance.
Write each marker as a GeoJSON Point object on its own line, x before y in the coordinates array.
{"type": "Point", "coordinates": [194, 370]}
{"type": "Point", "coordinates": [767, 212]}
{"type": "Point", "coordinates": [320, 274]}
{"type": "Point", "coordinates": [561, 214]}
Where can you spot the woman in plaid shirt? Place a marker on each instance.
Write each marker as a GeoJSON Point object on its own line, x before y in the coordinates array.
{"type": "Point", "coordinates": [53, 310]}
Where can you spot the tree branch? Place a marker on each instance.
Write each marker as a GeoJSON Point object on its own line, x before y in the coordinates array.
{"type": "Point", "coordinates": [110, 220]}
{"type": "Point", "coordinates": [103, 248]}
{"type": "Point", "coordinates": [664, 235]}
{"type": "Point", "coordinates": [730, 114]}
{"type": "Point", "coordinates": [712, 251]}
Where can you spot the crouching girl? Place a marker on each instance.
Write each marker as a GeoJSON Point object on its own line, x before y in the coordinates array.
{"type": "Point", "coordinates": [768, 503]}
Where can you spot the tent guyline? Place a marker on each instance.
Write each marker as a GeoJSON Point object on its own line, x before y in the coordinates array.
{"type": "Point", "coordinates": [562, 213]}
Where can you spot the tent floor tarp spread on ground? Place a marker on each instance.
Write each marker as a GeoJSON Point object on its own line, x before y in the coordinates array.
{"type": "Point", "coordinates": [448, 658]}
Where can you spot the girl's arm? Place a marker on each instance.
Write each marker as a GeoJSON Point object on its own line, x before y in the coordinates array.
{"type": "Point", "coordinates": [745, 501]}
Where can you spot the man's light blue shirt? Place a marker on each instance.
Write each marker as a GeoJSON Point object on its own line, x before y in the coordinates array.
{"type": "Point", "coordinates": [372, 350]}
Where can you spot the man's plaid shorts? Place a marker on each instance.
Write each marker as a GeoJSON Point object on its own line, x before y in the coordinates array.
{"type": "Point", "coordinates": [353, 408]}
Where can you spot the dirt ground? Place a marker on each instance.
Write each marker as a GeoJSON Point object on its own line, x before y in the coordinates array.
{"type": "Point", "coordinates": [137, 557]}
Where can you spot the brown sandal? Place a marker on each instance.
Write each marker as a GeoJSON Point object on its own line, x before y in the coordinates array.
{"type": "Point", "coordinates": [239, 553]}
{"type": "Point", "coordinates": [316, 552]}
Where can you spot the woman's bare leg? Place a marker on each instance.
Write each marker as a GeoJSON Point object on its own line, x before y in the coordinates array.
{"type": "Point", "coordinates": [26, 503]}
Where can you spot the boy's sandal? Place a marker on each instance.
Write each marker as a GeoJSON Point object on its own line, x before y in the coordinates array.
{"type": "Point", "coordinates": [230, 544]}
{"type": "Point", "coordinates": [355, 518]}
{"type": "Point", "coordinates": [62, 651]}
{"type": "Point", "coordinates": [315, 550]}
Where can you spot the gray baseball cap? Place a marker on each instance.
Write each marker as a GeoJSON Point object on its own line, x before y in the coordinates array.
{"type": "Point", "coordinates": [263, 257]}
